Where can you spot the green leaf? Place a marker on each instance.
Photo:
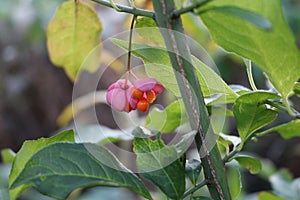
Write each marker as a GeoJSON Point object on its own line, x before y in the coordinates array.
{"type": "Point", "coordinates": [210, 82]}
{"type": "Point", "coordinates": [60, 168]}
{"type": "Point", "coordinates": [234, 181]}
{"type": "Point", "coordinates": [146, 27]}
{"type": "Point", "coordinates": [269, 196]}
{"type": "Point", "coordinates": [288, 130]}
{"type": "Point", "coordinates": [227, 140]}
{"type": "Point", "coordinates": [297, 89]}
{"type": "Point", "coordinates": [274, 51]}
{"type": "Point", "coordinates": [158, 58]}
{"type": "Point", "coordinates": [7, 155]}
{"type": "Point", "coordinates": [160, 164]}
{"type": "Point", "coordinates": [169, 119]}
{"type": "Point", "coordinates": [72, 35]}
{"type": "Point", "coordinates": [192, 170]}
{"type": "Point", "coordinates": [247, 15]}
{"type": "Point", "coordinates": [219, 111]}
{"type": "Point", "coordinates": [28, 149]}
{"type": "Point", "coordinates": [251, 114]}
{"type": "Point", "coordinates": [250, 163]}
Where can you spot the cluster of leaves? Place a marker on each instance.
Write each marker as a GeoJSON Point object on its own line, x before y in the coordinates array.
{"type": "Point", "coordinates": [255, 30]}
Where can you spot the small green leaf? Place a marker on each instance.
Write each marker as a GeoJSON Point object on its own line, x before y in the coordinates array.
{"type": "Point", "coordinates": [227, 140]}
{"type": "Point", "coordinates": [269, 196]}
{"type": "Point", "coordinates": [72, 36]}
{"type": "Point", "coordinates": [247, 15]}
{"type": "Point", "coordinates": [274, 51]}
{"type": "Point", "coordinates": [160, 164]}
{"type": "Point", "coordinates": [251, 114]}
{"type": "Point", "coordinates": [234, 181]}
{"type": "Point", "coordinates": [7, 155]}
{"type": "Point", "coordinates": [250, 163]}
{"type": "Point", "coordinates": [147, 28]}
{"type": "Point", "coordinates": [169, 119]}
{"type": "Point", "coordinates": [192, 170]}
{"type": "Point", "coordinates": [28, 149]}
{"type": "Point", "coordinates": [60, 168]}
{"type": "Point", "coordinates": [157, 58]}
{"type": "Point", "coordinates": [297, 89]}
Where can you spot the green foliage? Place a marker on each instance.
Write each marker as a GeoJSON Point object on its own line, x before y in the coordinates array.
{"type": "Point", "coordinates": [155, 58]}
{"type": "Point", "coordinates": [147, 28]}
{"type": "Point", "coordinates": [274, 51]}
{"type": "Point", "coordinates": [251, 114]}
{"type": "Point", "coordinates": [268, 196]}
{"type": "Point", "coordinates": [252, 17]}
{"type": "Point", "coordinates": [169, 119]}
{"type": "Point", "coordinates": [160, 164]}
{"type": "Point", "coordinates": [253, 29]}
{"type": "Point", "coordinates": [227, 140]}
{"type": "Point", "coordinates": [58, 169]}
{"type": "Point", "coordinates": [192, 170]}
{"type": "Point", "coordinates": [72, 35]}
{"type": "Point", "coordinates": [28, 150]}
{"type": "Point", "coordinates": [288, 130]}
{"type": "Point", "coordinates": [234, 181]}
{"type": "Point", "coordinates": [7, 155]}
{"type": "Point", "coordinates": [250, 163]}
{"type": "Point", "coordinates": [297, 89]}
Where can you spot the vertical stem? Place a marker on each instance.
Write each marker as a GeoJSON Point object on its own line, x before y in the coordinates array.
{"type": "Point", "coordinates": [192, 96]}
{"type": "Point", "coordinates": [130, 41]}
{"type": "Point", "coordinates": [249, 73]}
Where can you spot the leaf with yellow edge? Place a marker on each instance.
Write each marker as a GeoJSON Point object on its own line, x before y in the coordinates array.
{"type": "Point", "coordinates": [72, 35]}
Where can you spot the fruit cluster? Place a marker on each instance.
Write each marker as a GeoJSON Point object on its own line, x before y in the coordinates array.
{"type": "Point", "coordinates": [123, 96]}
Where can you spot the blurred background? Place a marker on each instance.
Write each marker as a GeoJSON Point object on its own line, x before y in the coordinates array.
{"type": "Point", "coordinates": [33, 92]}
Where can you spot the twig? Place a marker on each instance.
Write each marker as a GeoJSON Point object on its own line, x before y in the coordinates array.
{"type": "Point", "coordinates": [127, 9]}
{"type": "Point", "coordinates": [281, 107]}
{"type": "Point", "coordinates": [194, 189]}
{"type": "Point", "coordinates": [190, 8]}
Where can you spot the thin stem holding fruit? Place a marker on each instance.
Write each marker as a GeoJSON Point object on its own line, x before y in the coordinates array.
{"type": "Point", "coordinates": [129, 45]}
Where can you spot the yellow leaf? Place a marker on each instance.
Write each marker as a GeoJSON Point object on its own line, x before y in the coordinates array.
{"type": "Point", "coordinates": [72, 35]}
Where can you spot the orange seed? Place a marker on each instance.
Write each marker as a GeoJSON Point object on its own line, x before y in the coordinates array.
{"type": "Point", "coordinates": [143, 105]}
{"type": "Point", "coordinates": [151, 96]}
{"type": "Point", "coordinates": [138, 94]}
